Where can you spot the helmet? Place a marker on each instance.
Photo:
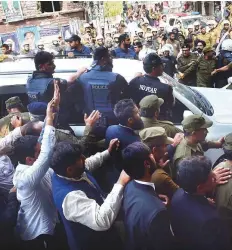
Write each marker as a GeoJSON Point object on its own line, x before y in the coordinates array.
{"type": "Point", "coordinates": [151, 60]}
{"type": "Point", "coordinates": [168, 47]}
{"type": "Point", "coordinates": [99, 37]}
{"type": "Point", "coordinates": [227, 45]}
{"type": "Point", "coordinates": [190, 26]}
{"type": "Point", "coordinates": [226, 22]}
{"type": "Point", "coordinates": [148, 35]}
{"type": "Point", "coordinates": [196, 23]}
{"type": "Point", "coordinates": [149, 27]}
{"type": "Point", "coordinates": [86, 25]}
{"type": "Point", "coordinates": [154, 29]}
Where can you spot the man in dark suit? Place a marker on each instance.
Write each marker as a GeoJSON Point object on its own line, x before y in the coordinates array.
{"type": "Point", "coordinates": [195, 222]}
{"type": "Point", "coordinates": [145, 216]}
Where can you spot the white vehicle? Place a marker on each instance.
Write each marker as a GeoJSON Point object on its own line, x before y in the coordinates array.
{"type": "Point", "coordinates": [212, 104]}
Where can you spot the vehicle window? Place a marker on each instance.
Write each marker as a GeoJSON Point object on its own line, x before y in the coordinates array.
{"type": "Point", "coordinates": [191, 95]}
{"type": "Point", "coordinates": [189, 21]}
{"type": "Point", "coordinates": [171, 21]}
{"type": "Point", "coordinates": [177, 112]}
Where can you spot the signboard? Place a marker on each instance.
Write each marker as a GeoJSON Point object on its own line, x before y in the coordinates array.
{"type": "Point", "coordinates": [29, 35]}
{"type": "Point", "coordinates": [12, 10]}
{"type": "Point", "coordinates": [11, 38]}
{"type": "Point", "coordinates": [47, 35]}
{"type": "Point", "coordinates": [66, 32]}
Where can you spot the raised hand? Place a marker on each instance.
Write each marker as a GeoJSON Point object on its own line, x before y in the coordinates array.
{"type": "Point", "coordinates": [92, 118]}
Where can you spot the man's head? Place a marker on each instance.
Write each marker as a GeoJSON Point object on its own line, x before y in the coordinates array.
{"type": "Point", "coordinates": [190, 28]}
{"type": "Point", "coordinates": [156, 139]}
{"type": "Point", "coordinates": [226, 24]}
{"type": "Point", "coordinates": [5, 49]}
{"type": "Point", "coordinates": [14, 103]}
{"type": "Point", "coordinates": [227, 147]}
{"type": "Point", "coordinates": [194, 175]}
{"type": "Point", "coordinates": [164, 18]}
{"type": "Point", "coordinates": [195, 126]}
{"type": "Point", "coordinates": [68, 160]}
{"type": "Point", "coordinates": [208, 52]}
{"type": "Point", "coordinates": [74, 41]}
{"type": "Point", "coordinates": [124, 41]}
{"type": "Point", "coordinates": [55, 42]}
{"type": "Point", "coordinates": [138, 47]}
{"type": "Point", "coordinates": [44, 61]}
{"type": "Point", "coordinates": [189, 41]}
{"type": "Point", "coordinates": [196, 25]}
{"type": "Point", "coordinates": [150, 106]}
{"type": "Point", "coordinates": [152, 65]}
{"type": "Point", "coordinates": [100, 40]}
{"type": "Point", "coordinates": [127, 114]}
{"type": "Point", "coordinates": [103, 57]}
{"type": "Point", "coordinates": [200, 46]}
{"type": "Point", "coordinates": [130, 19]}
{"type": "Point", "coordinates": [203, 29]}
{"type": "Point", "coordinates": [186, 50]}
{"type": "Point", "coordinates": [26, 47]}
{"type": "Point", "coordinates": [138, 161]}
{"type": "Point", "coordinates": [172, 36]}
{"type": "Point", "coordinates": [27, 149]}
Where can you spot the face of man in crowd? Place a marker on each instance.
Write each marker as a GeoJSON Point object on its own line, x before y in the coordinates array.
{"type": "Point", "coordinates": [154, 33]}
{"type": "Point", "coordinates": [159, 152]}
{"type": "Point", "coordinates": [26, 47]}
{"type": "Point", "coordinates": [127, 42]}
{"type": "Point", "coordinates": [226, 26]}
{"type": "Point", "coordinates": [100, 42]}
{"type": "Point", "coordinates": [186, 52]}
{"type": "Point", "coordinates": [196, 27]}
{"type": "Point", "coordinates": [166, 53]}
{"type": "Point", "coordinates": [203, 30]}
{"type": "Point", "coordinates": [210, 54]}
{"type": "Point", "coordinates": [137, 49]}
{"type": "Point", "coordinates": [172, 36]}
{"type": "Point", "coordinates": [200, 134]}
{"type": "Point", "coordinates": [4, 51]}
{"type": "Point", "coordinates": [135, 121]}
{"type": "Point", "coordinates": [164, 18]}
{"type": "Point", "coordinates": [200, 47]}
{"type": "Point", "coordinates": [209, 185]}
{"type": "Point", "coordinates": [190, 31]}
{"type": "Point", "coordinates": [74, 44]}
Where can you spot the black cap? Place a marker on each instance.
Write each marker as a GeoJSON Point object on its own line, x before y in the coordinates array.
{"type": "Point", "coordinates": [138, 44]}
{"type": "Point", "coordinates": [185, 46]}
{"type": "Point", "coordinates": [152, 59]}
{"type": "Point", "coordinates": [73, 38]}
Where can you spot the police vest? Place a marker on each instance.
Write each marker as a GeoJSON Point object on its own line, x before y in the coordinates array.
{"type": "Point", "coordinates": [97, 95]}
{"type": "Point", "coordinates": [119, 53]}
{"type": "Point", "coordinates": [37, 89]}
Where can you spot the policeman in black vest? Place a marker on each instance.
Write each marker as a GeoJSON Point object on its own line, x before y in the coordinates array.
{"type": "Point", "coordinates": [40, 88]}
{"type": "Point", "coordinates": [102, 88]}
{"type": "Point", "coordinates": [148, 84]}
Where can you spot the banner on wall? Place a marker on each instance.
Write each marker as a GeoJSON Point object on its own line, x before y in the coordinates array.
{"type": "Point", "coordinates": [12, 10]}
{"type": "Point", "coordinates": [66, 32]}
{"type": "Point", "coordinates": [47, 35]}
{"type": "Point", "coordinates": [11, 38]}
{"type": "Point", "coordinates": [28, 35]}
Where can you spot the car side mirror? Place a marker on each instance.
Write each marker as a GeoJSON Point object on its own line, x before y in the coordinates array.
{"type": "Point", "coordinates": [187, 113]}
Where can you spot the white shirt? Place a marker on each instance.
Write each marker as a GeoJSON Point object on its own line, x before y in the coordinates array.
{"type": "Point", "coordinates": [146, 183]}
{"type": "Point", "coordinates": [37, 214]}
{"type": "Point", "coordinates": [77, 207]}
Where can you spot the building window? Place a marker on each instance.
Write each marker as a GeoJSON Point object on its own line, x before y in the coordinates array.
{"type": "Point", "coordinates": [50, 6]}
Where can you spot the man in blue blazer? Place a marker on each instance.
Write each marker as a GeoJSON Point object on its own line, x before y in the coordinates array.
{"type": "Point", "coordinates": [195, 222]}
{"type": "Point", "coordinates": [145, 216]}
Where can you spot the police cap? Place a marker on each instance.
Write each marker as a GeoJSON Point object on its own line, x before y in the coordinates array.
{"type": "Point", "coordinates": [73, 38]}
{"type": "Point", "coordinates": [149, 104]}
{"type": "Point", "coordinates": [207, 49]}
{"type": "Point", "coordinates": [228, 142]}
{"type": "Point", "coordinates": [195, 122]}
{"type": "Point", "coordinates": [13, 102]}
{"type": "Point", "coordinates": [155, 136]}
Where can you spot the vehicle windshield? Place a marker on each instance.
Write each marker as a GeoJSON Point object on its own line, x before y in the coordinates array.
{"type": "Point", "coordinates": [191, 95]}
{"type": "Point", "coordinates": [189, 21]}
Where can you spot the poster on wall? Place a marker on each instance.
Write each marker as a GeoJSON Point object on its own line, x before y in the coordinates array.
{"type": "Point", "coordinates": [12, 10]}
{"type": "Point", "coordinates": [47, 35]}
{"type": "Point", "coordinates": [11, 38]}
{"type": "Point", "coordinates": [66, 32]}
{"type": "Point", "coordinates": [28, 35]}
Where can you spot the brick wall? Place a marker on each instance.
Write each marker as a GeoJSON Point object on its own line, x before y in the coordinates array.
{"type": "Point", "coordinates": [32, 15]}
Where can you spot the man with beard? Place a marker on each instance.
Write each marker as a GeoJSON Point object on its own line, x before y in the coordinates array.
{"type": "Point", "coordinates": [77, 49]}
{"type": "Point", "coordinates": [102, 88]}
{"type": "Point", "coordinates": [196, 25]}
{"type": "Point", "coordinates": [140, 35]}
{"type": "Point", "coordinates": [183, 64]}
{"type": "Point", "coordinates": [123, 50]}
{"type": "Point", "coordinates": [175, 44]}
{"type": "Point", "coordinates": [203, 36]}
{"type": "Point", "coordinates": [199, 46]}
{"type": "Point", "coordinates": [148, 84]}
{"type": "Point", "coordinates": [145, 216]}
{"type": "Point", "coordinates": [204, 66]}
{"type": "Point", "coordinates": [226, 28]}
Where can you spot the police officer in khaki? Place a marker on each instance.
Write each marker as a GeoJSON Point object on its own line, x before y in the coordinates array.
{"type": "Point", "coordinates": [149, 112]}
{"type": "Point", "coordinates": [156, 139]}
{"type": "Point", "coordinates": [203, 36]}
{"type": "Point", "coordinates": [15, 108]}
{"type": "Point", "coordinates": [194, 144]}
{"type": "Point", "coordinates": [204, 66]}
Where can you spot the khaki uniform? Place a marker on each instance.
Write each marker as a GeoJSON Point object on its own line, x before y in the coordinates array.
{"type": "Point", "coordinates": [169, 127]}
{"type": "Point", "coordinates": [183, 64]}
{"type": "Point", "coordinates": [5, 125]}
{"type": "Point", "coordinates": [206, 38]}
{"type": "Point", "coordinates": [214, 35]}
{"type": "Point", "coordinates": [93, 32]}
{"type": "Point", "coordinates": [184, 149]}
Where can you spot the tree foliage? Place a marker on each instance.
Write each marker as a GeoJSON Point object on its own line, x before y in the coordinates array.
{"type": "Point", "coordinates": [112, 9]}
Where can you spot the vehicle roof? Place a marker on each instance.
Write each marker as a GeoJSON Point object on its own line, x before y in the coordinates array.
{"type": "Point", "coordinates": [186, 17]}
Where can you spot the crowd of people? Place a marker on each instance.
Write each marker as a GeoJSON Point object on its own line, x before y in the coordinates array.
{"type": "Point", "coordinates": [132, 181]}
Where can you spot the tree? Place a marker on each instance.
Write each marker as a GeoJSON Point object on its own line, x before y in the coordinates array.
{"type": "Point", "coordinates": [112, 9]}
